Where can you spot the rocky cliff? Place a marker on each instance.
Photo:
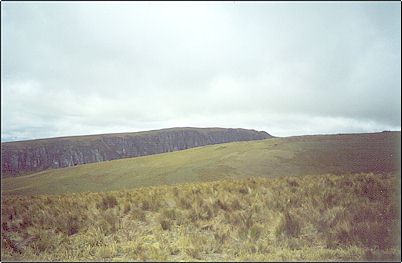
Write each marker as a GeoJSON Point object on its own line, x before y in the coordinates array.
{"type": "Point", "coordinates": [25, 157]}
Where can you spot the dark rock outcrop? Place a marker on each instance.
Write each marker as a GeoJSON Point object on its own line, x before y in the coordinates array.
{"type": "Point", "coordinates": [36, 155]}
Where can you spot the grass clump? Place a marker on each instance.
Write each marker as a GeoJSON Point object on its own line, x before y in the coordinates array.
{"type": "Point", "coordinates": [107, 202]}
{"type": "Point", "coordinates": [327, 217]}
{"type": "Point", "coordinates": [137, 214]}
{"type": "Point", "coordinates": [72, 224]}
{"type": "Point", "coordinates": [289, 226]}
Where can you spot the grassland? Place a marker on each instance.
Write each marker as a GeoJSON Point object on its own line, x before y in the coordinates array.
{"type": "Point", "coordinates": [33, 156]}
{"type": "Point", "coordinates": [270, 158]}
{"type": "Point", "coordinates": [309, 217]}
{"type": "Point", "coordinates": [307, 198]}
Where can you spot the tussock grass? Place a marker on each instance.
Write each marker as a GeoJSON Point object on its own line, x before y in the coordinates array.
{"type": "Point", "coordinates": [321, 217]}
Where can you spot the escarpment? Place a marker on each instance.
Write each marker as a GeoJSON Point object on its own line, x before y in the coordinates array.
{"type": "Point", "coordinates": [25, 157]}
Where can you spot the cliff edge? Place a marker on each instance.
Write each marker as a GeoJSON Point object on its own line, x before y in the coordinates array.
{"type": "Point", "coordinates": [31, 156]}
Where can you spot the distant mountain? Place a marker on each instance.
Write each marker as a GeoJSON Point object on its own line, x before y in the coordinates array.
{"type": "Point", "coordinates": [25, 157]}
{"type": "Point", "coordinates": [339, 154]}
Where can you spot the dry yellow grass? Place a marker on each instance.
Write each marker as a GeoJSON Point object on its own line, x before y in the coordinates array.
{"type": "Point", "coordinates": [320, 217]}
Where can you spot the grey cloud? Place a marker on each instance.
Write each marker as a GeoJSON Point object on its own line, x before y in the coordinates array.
{"type": "Point", "coordinates": [84, 68]}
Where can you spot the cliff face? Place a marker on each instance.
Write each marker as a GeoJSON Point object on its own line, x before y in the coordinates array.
{"type": "Point", "coordinates": [36, 155]}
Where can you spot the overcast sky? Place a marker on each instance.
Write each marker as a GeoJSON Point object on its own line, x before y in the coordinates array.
{"type": "Point", "coordinates": [286, 68]}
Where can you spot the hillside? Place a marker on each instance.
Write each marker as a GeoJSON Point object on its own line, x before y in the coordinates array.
{"type": "Point", "coordinates": [350, 217]}
{"type": "Point", "coordinates": [26, 157]}
{"type": "Point", "coordinates": [295, 156]}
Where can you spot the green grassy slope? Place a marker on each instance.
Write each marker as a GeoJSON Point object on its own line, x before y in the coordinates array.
{"type": "Point", "coordinates": [301, 155]}
{"type": "Point", "coordinates": [33, 156]}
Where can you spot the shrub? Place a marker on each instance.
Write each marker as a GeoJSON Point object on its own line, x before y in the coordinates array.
{"type": "Point", "coordinates": [247, 219]}
{"type": "Point", "coordinates": [222, 205]}
{"type": "Point", "coordinates": [373, 235]}
{"type": "Point", "coordinates": [292, 182]}
{"type": "Point", "coordinates": [175, 191]}
{"type": "Point", "coordinates": [166, 224]}
{"type": "Point", "coordinates": [242, 232]}
{"type": "Point", "coordinates": [4, 226]}
{"type": "Point", "coordinates": [146, 205]}
{"type": "Point", "coordinates": [110, 222]}
{"type": "Point", "coordinates": [235, 205]}
{"type": "Point", "coordinates": [206, 212]}
{"type": "Point", "coordinates": [255, 232]}
{"type": "Point", "coordinates": [244, 190]}
{"type": "Point", "coordinates": [108, 201]}
{"type": "Point", "coordinates": [372, 189]}
{"type": "Point", "coordinates": [72, 224]}
{"type": "Point", "coordinates": [288, 226]}
{"type": "Point", "coordinates": [221, 236]}
{"type": "Point", "coordinates": [106, 252]}
{"type": "Point", "coordinates": [7, 243]}
{"type": "Point", "coordinates": [138, 214]}
{"type": "Point", "coordinates": [169, 213]}
{"type": "Point", "coordinates": [194, 215]}
{"type": "Point", "coordinates": [184, 203]}
{"type": "Point", "coordinates": [193, 252]}
{"type": "Point", "coordinates": [191, 244]}
{"type": "Point", "coordinates": [150, 205]}
{"type": "Point", "coordinates": [126, 208]}
{"type": "Point", "coordinates": [41, 240]}
{"type": "Point", "coordinates": [195, 190]}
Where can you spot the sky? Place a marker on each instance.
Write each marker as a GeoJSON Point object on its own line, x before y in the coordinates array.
{"type": "Point", "coordinates": [295, 68]}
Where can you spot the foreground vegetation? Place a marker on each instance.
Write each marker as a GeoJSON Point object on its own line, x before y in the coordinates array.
{"type": "Point", "coordinates": [301, 155]}
{"type": "Point", "coordinates": [320, 217]}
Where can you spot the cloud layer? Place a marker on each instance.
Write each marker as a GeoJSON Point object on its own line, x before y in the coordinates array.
{"type": "Point", "coordinates": [286, 68]}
